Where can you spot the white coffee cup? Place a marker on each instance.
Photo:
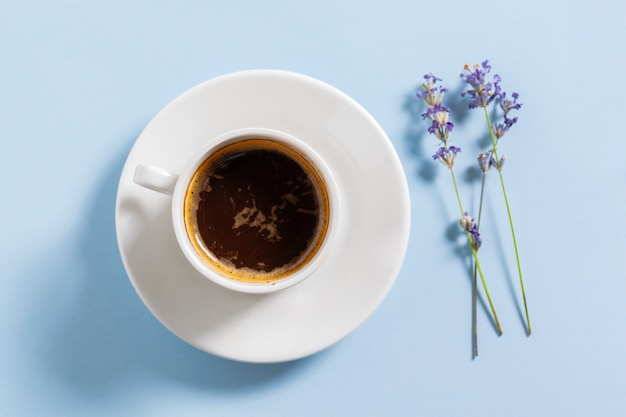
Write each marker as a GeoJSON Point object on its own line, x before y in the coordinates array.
{"type": "Point", "coordinates": [176, 185]}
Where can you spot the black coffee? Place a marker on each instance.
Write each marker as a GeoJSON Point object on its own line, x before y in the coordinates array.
{"type": "Point", "coordinates": [256, 209]}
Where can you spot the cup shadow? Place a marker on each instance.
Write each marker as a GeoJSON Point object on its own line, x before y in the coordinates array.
{"type": "Point", "coordinates": [105, 339]}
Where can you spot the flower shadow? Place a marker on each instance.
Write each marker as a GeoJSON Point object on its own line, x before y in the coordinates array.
{"type": "Point", "coordinates": [414, 136]}
{"type": "Point", "coordinates": [499, 244]}
{"type": "Point", "coordinates": [427, 170]}
{"type": "Point", "coordinates": [458, 107]}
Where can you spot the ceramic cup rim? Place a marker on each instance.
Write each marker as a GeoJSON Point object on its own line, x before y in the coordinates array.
{"type": "Point", "coordinates": [212, 273]}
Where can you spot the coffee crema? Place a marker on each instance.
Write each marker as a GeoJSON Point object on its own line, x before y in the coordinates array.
{"type": "Point", "coordinates": [257, 210]}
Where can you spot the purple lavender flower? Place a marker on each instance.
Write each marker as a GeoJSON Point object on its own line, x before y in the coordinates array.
{"type": "Point", "coordinates": [440, 126]}
{"type": "Point", "coordinates": [469, 225]}
{"type": "Point", "coordinates": [484, 161]}
{"type": "Point", "coordinates": [499, 129]}
{"type": "Point", "coordinates": [501, 162]}
{"type": "Point", "coordinates": [466, 221]}
{"type": "Point", "coordinates": [433, 109]}
{"type": "Point", "coordinates": [482, 92]}
{"type": "Point", "coordinates": [447, 155]}
{"type": "Point", "coordinates": [488, 161]}
{"type": "Point", "coordinates": [430, 92]}
{"type": "Point", "coordinates": [476, 239]}
{"type": "Point", "coordinates": [439, 116]}
{"type": "Point", "coordinates": [507, 105]}
{"type": "Point", "coordinates": [436, 112]}
{"type": "Point", "coordinates": [431, 78]}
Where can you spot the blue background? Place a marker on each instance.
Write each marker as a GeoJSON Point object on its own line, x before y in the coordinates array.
{"type": "Point", "coordinates": [78, 82]}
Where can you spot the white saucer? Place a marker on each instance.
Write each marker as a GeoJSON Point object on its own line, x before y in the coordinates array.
{"type": "Point", "coordinates": [337, 298]}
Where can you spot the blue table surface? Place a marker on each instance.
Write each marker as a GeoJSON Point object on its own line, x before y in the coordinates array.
{"type": "Point", "coordinates": [80, 80]}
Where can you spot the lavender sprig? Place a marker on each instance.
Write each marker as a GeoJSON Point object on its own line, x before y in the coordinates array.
{"type": "Point", "coordinates": [482, 93]}
{"type": "Point", "coordinates": [441, 127]}
{"type": "Point", "coordinates": [468, 223]}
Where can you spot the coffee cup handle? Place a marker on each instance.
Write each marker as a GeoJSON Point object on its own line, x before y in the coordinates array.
{"type": "Point", "coordinates": [155, 178]}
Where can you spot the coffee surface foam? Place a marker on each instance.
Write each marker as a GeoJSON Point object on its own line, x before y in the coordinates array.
{"type": "Point", "coordinates": [256, 210]}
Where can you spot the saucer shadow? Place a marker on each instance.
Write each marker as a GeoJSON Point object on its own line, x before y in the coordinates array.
{"type": "Point", "coordinates": [105, 340]}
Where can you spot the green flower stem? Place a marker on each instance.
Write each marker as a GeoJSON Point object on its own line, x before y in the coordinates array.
{"type": "Point", "coordinates": [482, 278]}
{"type": "Point", "coordinates": [474, 289]}
{"type": "Point", "coordinates": [474, 314]}
{"type": "Point", "coordinates": [477, 262]}
{"type": "Point", "coordinates": [508, 209]}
